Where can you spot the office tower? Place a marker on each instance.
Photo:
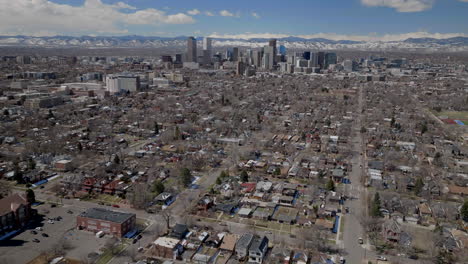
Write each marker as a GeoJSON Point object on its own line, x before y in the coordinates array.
{"type": "Point", "coordinates": [191, 49]}
{"type": "Point", "coordinates": [268, 57]}
{"type": "Point", "coordinates": [313, 61]}
{"type": "Point", "coordinates": [330, 58]}
{"type": "Point", "coordinates": [272, 43]}
{"type": "Point", "coordinates": [178, 58]}
{"type": "Point", "coordinates": [321, 59]}
{"type": "Point", "coordinates": [240, 68]}
{"type": "Point", "coordinates": [166, 58]}
{"type": "Point", "coordinates": [300, 62]}
{"type": "Point", "coordinates": [257, 58]}
{"type": "Point", "coordinates": [282, 50]}
{"type": "Point", "coordinates": [207, 50]}
{"type": "Point", "coordinates": [306, 55]}
{"type": "Point", "coordinates": [235, 54]}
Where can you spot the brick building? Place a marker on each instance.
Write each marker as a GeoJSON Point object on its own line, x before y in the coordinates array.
{"type": "Point", "coordinates": [110, 222]}
{"type": "Point", "coordinates": [15, 213]}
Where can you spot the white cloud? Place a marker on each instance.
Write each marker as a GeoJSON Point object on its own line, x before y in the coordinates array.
{"type": "Point", "coordinates": [333, 36]}
{"type": "Point", "coordinates": [43, 17]}
{"type": "Point", "coordinates": [208, 13]}
{"type": "Point", "coordinates": [255, 15]}
{"type": "Point", "coordinates": [122, 5]}
{"type": "Point", "coordinates": [226, 13]}
{"type": "Point", "coordinates": [402, 5]}
{"type": "Point", "coordinates": [194, 12]}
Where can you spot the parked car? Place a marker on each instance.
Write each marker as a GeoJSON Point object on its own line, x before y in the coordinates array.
{"type": "Point", "coordinates": [36, 240]}
{"type": "Point", "coordinates": [33, 232]}
{"type": "Point", "coordinates": [70, 212]}
{"type": "Point", "coordinates": [45, 235]}
{"type": "Point", "coordinates": [381, 258]}
{"type": "Point", "coordinates": [38, 228]}
{"type": "Point", "coordinates": [360, 240]}
{"type": "Point", "coordinates": [50, 221]}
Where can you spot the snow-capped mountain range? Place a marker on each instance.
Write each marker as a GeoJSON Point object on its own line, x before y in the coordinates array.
{"type": "Point", "coordinates": [412, 44]}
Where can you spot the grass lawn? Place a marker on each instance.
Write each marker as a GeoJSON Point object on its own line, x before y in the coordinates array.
{"type": "Point", "coordinates": [108, 255]}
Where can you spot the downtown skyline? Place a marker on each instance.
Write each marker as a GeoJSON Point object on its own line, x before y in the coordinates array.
{"type": "Point", "coordinates": [363, 20]}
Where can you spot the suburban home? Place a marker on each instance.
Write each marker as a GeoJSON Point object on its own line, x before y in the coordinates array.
{"type": "Point", "coordinates": [167, 247]}
{"type": "Point", "coordinates": [15, 213]}
{"type": "Point", "coordinates": [179, 231]}
{"type": "Point", "coordinates": [391, 230]}
{"type": "Point", "coordinates": [243, 245]}
{"type": "Point", "coordinates": [258, 249]}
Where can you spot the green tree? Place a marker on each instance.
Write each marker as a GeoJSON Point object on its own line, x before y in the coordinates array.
{"type": "Point", "coordinates": [424, 128]}
{"type": "Point", "coordinates": [156, 128]}
{"type": "Point", "coordinates": [218, 181]}
{"type": "Point", "coordinates": [158, 187]}
{"type": "Point", "coordinates": [185, 177]}
{"type": "Point", "coordinates": [30, 196]}
{"type": "Point", "coordinates": [244, 177]}
{"type": "Point", "coordinates": [464, 211]}
{"type": "Point", "coordinates": [375, 206]}
{"type": "Point", "coordinates": [418, 186]}
{"type": "Point", "coordinates": [18, 173]}
{"type": "Point", "coordinates": [31, 164]}
{"type": "Point", "coordinates": [330, 185]}
{"type": "Point", "coordinates": [223, 174]}
{"type": "Point", "coordinates": [176, 133]}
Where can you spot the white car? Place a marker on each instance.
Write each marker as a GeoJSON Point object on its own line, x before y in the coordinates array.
{"type": "Point", "coordinates": [381, 258]}
{"type": "Point", "coordinates": [50, 221]}
{"type": "Point", "coordinates": [39, 228]}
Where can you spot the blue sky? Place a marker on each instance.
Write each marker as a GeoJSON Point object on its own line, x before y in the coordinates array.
{"type": "Point", "coordinates": [335, 19]}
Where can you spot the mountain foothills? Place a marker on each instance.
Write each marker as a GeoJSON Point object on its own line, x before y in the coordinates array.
{"type": "Point", "coordinates": [412, 44]}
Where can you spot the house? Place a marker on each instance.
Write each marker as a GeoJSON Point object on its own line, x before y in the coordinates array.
{"type": "Point", "coordinates": [337, 175]}
{"type": "Point", "coordinates": [64, 165]}
{"type": "Point", "coordinates": [15, 213]}
{"type": "Point", "coordinates": [300, 257]}
{"type": "Point", "coordinates": [458, 190]}
{"type": "Point", "coordinates": [164, 198]}
{"type": "Point", "coordinates": [179, 231]}
{"type": "Point", "coordinates": [243, 245]}
{"type": "Point", "coordinates": [167, 247]}
{"type": "Point", "coordinates": [284, 214]}
{"type": "Point", "coordinates": [229, 243]}
{"type": "Point", "coordinates": [280, 255]}
{"type": "Point", "coordinates": [205, 203]}
{"type": "Point", "coordinates": [245, 212]}
{"type": "Point", "coordinates": [110, 222]}
{"type": "Point", "coordinates": [391, 230]}
{"type": "Point", "coordinates": [258, 249]}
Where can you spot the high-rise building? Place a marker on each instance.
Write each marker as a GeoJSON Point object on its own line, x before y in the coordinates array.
{"type": "Point", "coordinates": [240, 68]}
{"type": "Point", "coordinates": [313, 61]}
{"type": "Point", "coordinates": [321, 59]}
{"type": "Point", "coordinates": [116, 83]}
{"type": "Point", "coordinates": [272, 43]}
{"type": "Point", "coordinates": [282, 50]}
{"type": "Point", "coordinates": [350, 65]}
{"type": "Point", "coordinates": [257, 58]}
{"type": "Point", "coordinates": [306, 55]}
{"type": "Point", "coordinates": [235, 54]}
{"type": "Point", "coordinates": [207, 50]}
{"type": "Point", "coordinates": [191, 49]}
{"type": "Point", "coordinates": [268, 57]}
{"type": "Point", "coordinates": [330, 59]}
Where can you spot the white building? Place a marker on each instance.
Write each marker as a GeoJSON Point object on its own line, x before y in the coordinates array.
{"type": "Point", "coordinates": [116, 83]}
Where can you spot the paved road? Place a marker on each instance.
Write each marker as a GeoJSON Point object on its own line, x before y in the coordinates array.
{"type": "Point", "coordinates": [356, 253]}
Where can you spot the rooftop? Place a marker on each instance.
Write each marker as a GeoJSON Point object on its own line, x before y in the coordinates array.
{"type": "Point", "coordinates": [106, 215]}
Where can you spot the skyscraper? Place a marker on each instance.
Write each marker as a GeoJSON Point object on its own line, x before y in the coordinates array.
{"type": "Point", "coordinates": [306, 55]}
{"type": "Point", "coordinates": [321, 59]}
{"type": "Point", "coordinates": [330, 58]}
{"type": "Point", "coordinates": [282, 50]}
{"type": "Point", "coordinates": [272, 43]}
{"type": "Point", "coordinates": [191, 49]}
{"type": "Point", "coordinates": [235, 54]}
{"type": "Point", "coordinates": [268, 57]}
{"type": "Point", "coordinates": [207, 50]}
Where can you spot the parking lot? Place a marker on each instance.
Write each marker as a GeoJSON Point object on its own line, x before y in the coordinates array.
{"type": "Point", "coordinates": [59, 235]}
